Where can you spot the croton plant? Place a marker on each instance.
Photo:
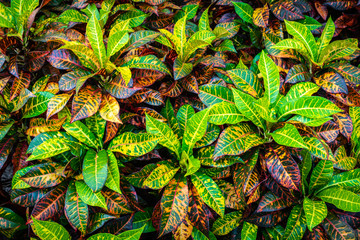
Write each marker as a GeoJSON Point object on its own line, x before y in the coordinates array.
{"type": "Point", "coordinates": [179, 119]}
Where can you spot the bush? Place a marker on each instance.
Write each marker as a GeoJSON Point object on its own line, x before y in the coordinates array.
{"type": "Point", "coordinates": [179, 119]}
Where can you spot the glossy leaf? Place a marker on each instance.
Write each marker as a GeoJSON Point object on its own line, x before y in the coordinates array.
{"type": "Point", "coordinates": [95, 169]}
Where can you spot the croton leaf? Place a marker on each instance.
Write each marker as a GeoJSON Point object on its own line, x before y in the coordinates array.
{"type": "Point", "coordinates": [87, 195]}
{"type": "Point", "coordinates": [315, 212]}
{"type": "Point", "coordinates": [116, 202]}
{"type": "Point", "coordinates": [43, 176]}
{"type": "Point", "coordinates": [85, 104]}
{"type": "Point", "coordinates": [288, 136]}
{"type": "Point", "coordinates": [174, 204]}
{"type": "Point", "coordinates": [209, 192]}
{"type": "Point", "coordinates": [341, 198]}
{"type": "Point", "coordinates": [76, 211]}
{"type": "Point", "coordinates": [321, 175]}
{"type": "Point", "coordinates": [337, 229]}
{"type": "Point", "coordinates": [110, 108]}
{"type": "Point", "coordinates": [95, 36]}
{"type": "Point", "coordinates": [226, 224]}
{"type": "Point", "coordinates": [50, 148]}
{"type": "Point", "coordinates": [81, 132]}
{"type": "Point", "coordinates": [296, 224]}
{"type": "Point", "coordinates": [50, 204]}
{"type": "Point", "coordinates": [134, 144]}
{"type": "Point", "coordinates": [95, 169]}
{"type": "Point", "coordinates": [37, 105]}
{"type": "Point", "coordinates": [57, 103]}
{"type": "Point", "coordinates": [9, 219]}
{"type": "Point", "coordinates": [49, 230]}
{"type": "Point", "coordinates": [63, 59]}
{"type": "Point", "coordinates": [160, 176]}
{"type": "Point", "coordinates": [282, 167]}
{"type": "Point", "coordinates": [249, 231]}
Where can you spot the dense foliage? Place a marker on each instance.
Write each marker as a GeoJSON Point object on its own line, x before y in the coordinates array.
{"type": "Point", "coordinates": [176, 119]}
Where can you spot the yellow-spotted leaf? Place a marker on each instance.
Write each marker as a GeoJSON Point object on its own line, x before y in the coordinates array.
{"type": "Point", "coordinates": [85, 54]}
{"type": "Point", "coordinates": [116, 41]}
{"type": "Point", "coordinates": [249, 231]}
{"type": "Point", "coordinates": [113, 177]}
{"type": "Point", "coordinates": [301, 33]}
{"type": "Point", "coordinates": [209, 192]}
{"type": "Point", "coordinates": [296, 224]}
{"type": "Point", "coordinates": [225, 113]}
{"type": "Point", "coordinates": [174, 204]}
{"type": "Point", "coordinates": [40, 125]}
{"type": "Point", "coordinates": [37, 105]}
{"type": "Point", "coordinates": [237, 139]}
{"type": "Point", "coordinates": [110, 109]}
{"type": "Point", "coordinates": [195, 130]}
{"type": "Point", "coordinates": [244, 102]}
{"type": "Point", "coordinates": [181, 69]}
{"type": "Point", "coordinates": [95, 169]}
{"type": "Point", "coordinates": [309, 106]}
{"type": "Point", "coordinates": [160, 176]}
{"type": "Point", "coordinates": [57, 103]}
{"type": "Point", "coordinates": [341, 198]}
{"type": "Point", "coordinates": [247, 81]}
{"type": "Point", "coordinates": [87, 195]}
{"type": "Point", "coordinates": [6, 19]}
{"type": "Point", "coordinates": [343, 162]}
{"type": "Point", "coordinates": [288, 136]}
{"type": "Point", "coordinates": [47, 230]}
{"type": "Point", "coordinates": [321, 175]}
{"type": "Point", "coordinates": [315, 212]}
{"type": "Point", "coordinates": [319, 148]}
{"type": "Point", "coordinates": [95, 36]}
{"type": "Point", "coordinates": [50, 148]}
{"type": "Point", "coordinates": [271, 77]}
{"type": "Point", "coordinates": [132, 144]}
{"type": "Point", "coordinates": [147, 62]}
{"type": "Point", "coordinates": [326, 36]}
{"type": "Point", "coordinates": [168, 138]}
{"type": "Point", "coordinates": [76, 211]}
{"type": "Point", "coordinates": [86, 103]}
{"type": "Point", "coordinates": [81, 132]}
{"type": "Point", "coordinates": [226, 224]}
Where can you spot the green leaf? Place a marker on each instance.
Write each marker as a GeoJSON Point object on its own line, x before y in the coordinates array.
{"type": "Point", "coordinates": [131, 234]}
{"type": "Point", "coordinates": [116, 41]}
{"type": "Point", "coordinates": [204, 21]}
{"type": "Point", "coordinates": [132, 144]}
{"type": "Point", "coordinates": [225, 113]}
{"type": "Point", "coordinates": [181, 68]}
{"type": "Point", "coordinates": [249, 231]}
{"type": "Point", "coordinates": [226, 224]}
{"type": "Point", "coordinates": [343, 162]}
{"type": "Point", "coordinates": [349, 180]}
{"type": "Point", "coordinates": [311, 107]}
{"type": "Point", "coordinates": [195, 130]}
{"type": "Point", "coordinates": [6, 19]}
{"type": "Point", "coordinates": [37, 105]}
{"type": "Point", "coordinates": [9, 219]}
{"type": "Point", "coordinates": [296, 224]}
{"type": "Point", "coordinates": [97, 125]}
{"type": "Point", "coordinates": [183, 115]}
{"type": "Point", "coordinates": [81, 132]}
{"type": "Point", "coordinates": [326, 36]}
{"type": "Point", "coordinates": [50, 148]}
{"type": "Point", "coordinates": [288, 136]}
{"type": "Point", "coordinates": [95, 36]}
{"type": "Point", "coordinates": [211, 94]}
{"type": "Point", "coordinates": [303, 34]}
{"type": "Point", "coordinates": [237, 139]}
{"type": "Point", "coordinates": [76, 211]}
{"type": "Point", "coordinates": [209, 192]}
{"type": "Point", "coordinates": [246, 81]}
{"type": "Point", "coordinates": [167, 136]}
{"type": "Point", "coordinates": [87, 195]}
{"type": "Point", "coordinates": [319, 148]}
{"type": "Point", "coordinates": [244, 103]}
{"type": "Point", "coordinates": [71, 15]}
{"type": "Point", "coordinates": [299, 90]}
{"type": "Point", "coordinates": [95, 169]}
{"type": "Point", "coordinates": [271, 77]}
{"type": "Point", "coordinates": [179, 33]}
{"type": "Point", "coordinates": [341, 198]}
{"type": "Point", "coordinates": [147, 62]}
{"type": "Point", "coordinates": [103, 236]}
{"type": "Point", "coordinates": [47, 230]}
{"type": "Point", "coordinates": [321, 175]}
{"type": "Point", "coordinates": [5, 127]}
{"type": "Point", "coordinates": [160, 176]}
{"type": "Point", "coordinates": [338, 49]}
{"type": "Point", "coordinates": [315, 212]}
{"type": "Point", "coordinates": [244, 10]}
{"type": "Point", "coordinates": [113, 178]}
